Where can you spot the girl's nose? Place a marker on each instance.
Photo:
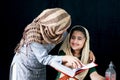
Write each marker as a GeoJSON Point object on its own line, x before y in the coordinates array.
{"type": "Point", "coordinates": [75, 40]}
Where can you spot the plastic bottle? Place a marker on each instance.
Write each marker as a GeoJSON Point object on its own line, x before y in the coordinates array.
{"type": "Point", "coordinates": [110, 73]}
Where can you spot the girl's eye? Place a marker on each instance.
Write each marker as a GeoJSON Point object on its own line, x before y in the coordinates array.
{"type": "Point", "coordinates": [80, 38]}
{"type": "Point", "coordinates": [73, 37]}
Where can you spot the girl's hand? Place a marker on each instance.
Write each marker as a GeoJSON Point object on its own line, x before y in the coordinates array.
{"type": "Point", "coordinates": [92, 57]}
{"type": "Point", "coordinates": [95, 76]}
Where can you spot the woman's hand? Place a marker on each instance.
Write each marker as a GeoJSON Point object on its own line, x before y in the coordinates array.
{"type": "Point", "coordinates": [72, 62]}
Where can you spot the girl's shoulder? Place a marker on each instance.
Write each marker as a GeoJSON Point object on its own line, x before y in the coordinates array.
{"type": "Point", "coordinates": [61, 52]}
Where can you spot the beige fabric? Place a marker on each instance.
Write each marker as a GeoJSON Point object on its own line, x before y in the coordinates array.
{"type": "Point", "coordinates": [48, 27]}
{"type": "Point", "coordinates": [85, 53]}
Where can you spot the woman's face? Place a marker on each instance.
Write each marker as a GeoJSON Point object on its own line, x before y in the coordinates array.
{"type": "Point", "coordinates": [77, 40]}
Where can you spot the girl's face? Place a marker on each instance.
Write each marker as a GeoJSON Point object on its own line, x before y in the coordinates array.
{"type": "Point", "coordinates": [77, 40]}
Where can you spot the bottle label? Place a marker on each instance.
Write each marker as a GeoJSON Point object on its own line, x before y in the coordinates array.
{"type": "Point", "coordinates": [107, 76]}
{"type": "Point", "coordinates": [110, 77]}
{"type": "Point", "coordinates": [113, 77]}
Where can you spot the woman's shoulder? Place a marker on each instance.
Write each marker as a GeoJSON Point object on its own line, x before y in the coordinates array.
{"type": "Point", "coordinates": [35, 44]}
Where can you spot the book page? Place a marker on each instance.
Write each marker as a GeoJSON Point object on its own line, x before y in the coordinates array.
{"type": "Point", "coordinates": [87, 66]}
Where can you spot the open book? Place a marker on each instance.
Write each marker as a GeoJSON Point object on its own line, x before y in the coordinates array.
{"type": "Point", "coordinates": [71, 72]}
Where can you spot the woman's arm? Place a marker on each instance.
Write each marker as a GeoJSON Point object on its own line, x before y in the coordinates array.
{"type": "Point", "coordinates": [45, 59]}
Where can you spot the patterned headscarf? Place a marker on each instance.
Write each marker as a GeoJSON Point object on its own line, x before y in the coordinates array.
{"type": "Point", "coordinates": [48, 27]}
{"type": "Point", "coordinates": [84, 56]}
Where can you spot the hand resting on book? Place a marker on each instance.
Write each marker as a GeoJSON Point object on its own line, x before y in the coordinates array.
{"type": "Point", "coordinates": [69, 71]}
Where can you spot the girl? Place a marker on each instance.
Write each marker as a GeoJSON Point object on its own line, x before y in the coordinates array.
{"type": "Point", "coordinates": [77, 44]}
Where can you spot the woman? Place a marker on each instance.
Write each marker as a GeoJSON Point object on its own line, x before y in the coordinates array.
{"type": "Point", "coordinates": [77, 44]}
{"type": "Point", "coordinates": [39, 37]}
